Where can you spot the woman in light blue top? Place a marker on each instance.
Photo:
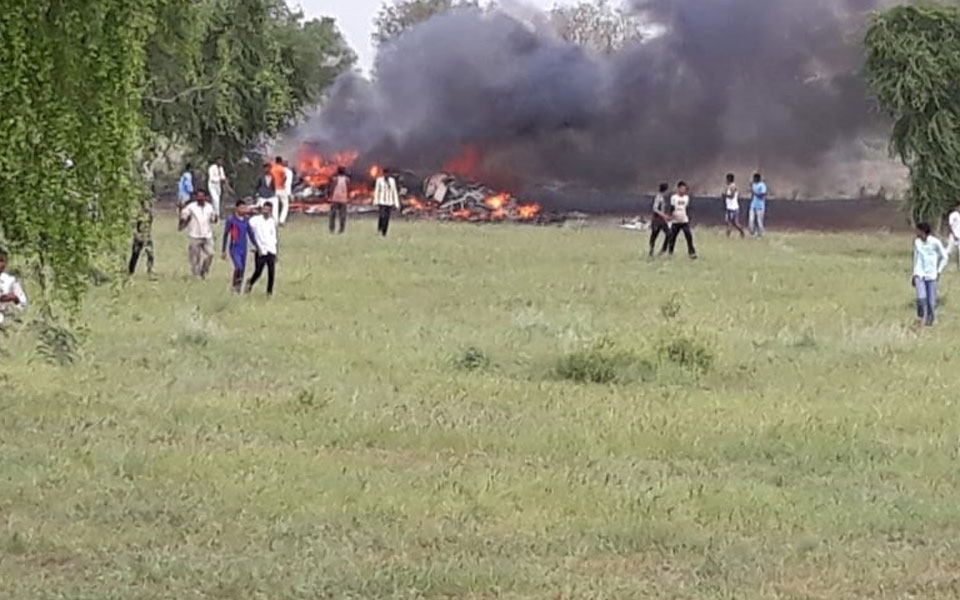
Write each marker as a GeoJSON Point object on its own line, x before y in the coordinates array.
{"type": "Point", "coordinates": [930, 258]}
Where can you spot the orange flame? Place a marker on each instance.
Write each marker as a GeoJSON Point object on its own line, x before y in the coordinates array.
{"type": "Point", "coordinates": [528, 211]}
{"type": "Point", "coordinates": [375, 172]}
{"type": "Point", "coordinates": [497, 202]}
{"type": "Point", "coordinates": [465, 164]}
{"type": "Point", "coordinates": [317, 170]}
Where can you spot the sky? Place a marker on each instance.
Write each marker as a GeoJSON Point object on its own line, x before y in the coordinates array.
{"type": "Point", "coordinates": [355, 18]}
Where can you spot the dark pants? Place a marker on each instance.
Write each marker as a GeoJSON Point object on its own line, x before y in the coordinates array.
{"type": "Point", "coordinates": [675, 233]}
{"type": "Point", "coordinates": [658, 226]}
{"type": "Point", "coordinates": [270, 262]}
{"type": "Point", "coordinates": [383, 223]}
{"type": "Point", "coordinates": [138, 247]}
{"type": "Point", "coordinates": [239, 257]}
{"type": "Point", "coordinates": [338, 210]}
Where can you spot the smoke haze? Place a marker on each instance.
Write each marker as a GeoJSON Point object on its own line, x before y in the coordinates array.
{"type": "Point", "coordinates": [729, 85]}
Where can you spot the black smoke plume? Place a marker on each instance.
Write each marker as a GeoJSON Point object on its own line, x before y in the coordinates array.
{"type": "Point", "coordinates": [724, 84]}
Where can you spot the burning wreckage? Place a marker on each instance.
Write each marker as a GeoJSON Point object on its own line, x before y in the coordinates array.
{"type": "Point", "coordinates": [442, 196]}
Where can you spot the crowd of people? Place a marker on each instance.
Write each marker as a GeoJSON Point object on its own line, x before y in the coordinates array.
{"type": "Point", "coordinates": [254, 221]}
{"type": "Point", "coordinates": [671, 216]}
{"type": "Point", "coordinates": [253, 227]}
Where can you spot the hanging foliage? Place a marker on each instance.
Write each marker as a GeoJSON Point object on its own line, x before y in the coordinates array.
{"type": "Point", "coordinates": [70, 97]}
{"type": "Point", "coordinates": [913, 68]}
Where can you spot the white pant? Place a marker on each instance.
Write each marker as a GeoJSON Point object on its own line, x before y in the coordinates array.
{"type": "Point", "coordinates": [284, 199]}
{"type": "Point", "coordinates": [954, 245]}
{"type": "Point", "coordinates": [216, 191]}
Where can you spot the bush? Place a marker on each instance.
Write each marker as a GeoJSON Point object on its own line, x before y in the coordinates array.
{"type": "Point", "coordinates": [602, 363]}
{"type": "Point", "coordinates": [687, 352]}
{"type": "Point", "coordinates": [472, 359]}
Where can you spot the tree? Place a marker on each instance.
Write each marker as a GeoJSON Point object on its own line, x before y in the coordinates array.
{"type": "Point", "coordinates": [224, 74]}
{"type": "Point", "coordinates": [913, 68]}
{"type": "Point", "coordinates": [597, 26]}
{"type": "Point", "coordinates": [397, 16]}
{"type": "Point", "coordinates": [70, 99]}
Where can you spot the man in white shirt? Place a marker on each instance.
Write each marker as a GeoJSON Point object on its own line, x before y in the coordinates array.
{"type": "Point", "coordinates": [930, 258]}
{"type": "Point", "coordinates": [386, 198]}
{"type": "Point", "coordinates": [680, 219]}
{"type": "Point", "coordinates": [198, 218]}
{"type": "Point", "coordinates": [731, 201]}
{"type": "Point", "coordinates": [216, 183]}
{"type": "Point", "coordinates": [12, 297]}
{"type": "Point", "coordinates": [954, 242]}
{"type": "Point", "coordinates": [286, 195]}
{"type": "Point", "coordinates": [263, 234]}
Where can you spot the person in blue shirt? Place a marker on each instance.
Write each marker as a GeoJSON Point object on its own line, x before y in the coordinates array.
{"type": "Point", "coordinates": [185, 188]}
{"type": "Point", "coordinates": [235, 233]}
{"type": "Point", "coordinates": [758, 206]}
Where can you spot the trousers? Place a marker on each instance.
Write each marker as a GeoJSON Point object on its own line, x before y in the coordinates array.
{"type": "Point", "coordinates": [238, 256]}
{"type": "Point", "coordinates": [283, 199]}
{"type": "Point", "coordinates": [658, 226]}
{"type": "Point", "coordinates": [268, 261]}
{"type": "Point", "coordinates": [216, 193]}
{"type": "Point", "coordinates": [200, 253]}
{"type": "Point", "coordinates": [675, 233]}
{"type": "Point", "coordinates": [145, 247]}
{"type": "Point", "coordinates": [338, 210]}
{"type": "Point", "coordinates": [383, 222]}
{"type": "Point", "coordinates": [926, 299]}
{"type": "Point", "coordinates": [756, 221]}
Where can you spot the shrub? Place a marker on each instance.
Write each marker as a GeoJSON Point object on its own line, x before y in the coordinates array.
{"type": "Point", "coordinates": [687, 352]}
{"type": "Point", "coordinates": [472, 359]}
{"type": "Point", "coordinates": [602, 363]}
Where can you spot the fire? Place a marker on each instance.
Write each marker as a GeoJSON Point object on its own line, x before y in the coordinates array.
{"type": "Point", "coordinates": [317, 170]}
{"type": "Point", "coordinates": [466, 164]}
{"type": "Point", "coordinates": [528, 211]}
{"type": "Point", "coordinates": [498, 202]}
{"type": "Point", "coordinates": [375, 172]}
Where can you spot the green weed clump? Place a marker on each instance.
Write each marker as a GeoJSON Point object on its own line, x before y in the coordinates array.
{"type": "Point", "coordinates": [472, 359]}
{"type": "Point", "coordinates": [602, 363]}
{"type": "Point", "coordinates": [687, 352]}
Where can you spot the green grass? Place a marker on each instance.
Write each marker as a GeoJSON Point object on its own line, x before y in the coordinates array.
{"type": "Point", "coordinates": [393, 424]}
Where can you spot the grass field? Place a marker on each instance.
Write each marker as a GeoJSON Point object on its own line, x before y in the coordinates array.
{"type": "Point", "coordinates": [342, 440]}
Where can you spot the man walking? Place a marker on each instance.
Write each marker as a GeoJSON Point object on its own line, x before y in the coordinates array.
{"type": "Point", "coordinates": [235, 233]}
{"type": "Point", "coordinates": [680, 218]}
{"type": "Point", "coordinates": [758, 206]}
{"type": "Point", "coordinates": [143, 237]}
{"type": "Point", "coordinates": [731, 199]}
{"type": "Point", "coordinates": [929, 260]}
{"type": "Point", "coordinates": [385, 198]}
{"type": "Point", "coordinates": [278, 173]}
{"type": "Point", "coordinates": [198, 219]}
{"type": "Point", "coordinates": [263, 234]}
{"type": "Point", "coordinates": [216, 183]}
{"type": "Point", "coordinates": [287, 194]}
{"type": "Point", "coordinates": [659, 220]}
{"type": "Point", "coordinates": [339, 194]}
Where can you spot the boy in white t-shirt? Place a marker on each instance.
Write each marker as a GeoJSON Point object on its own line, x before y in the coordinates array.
{"type": "Point", "coordinates": [12, 297]}
{"type": "Point", "coordinates": [680, 219]}
{"type": "Point", "coordinates": [731, 200]}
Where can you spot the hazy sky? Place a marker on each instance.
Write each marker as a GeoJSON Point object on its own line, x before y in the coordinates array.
{"type": "Point", "coordinates": [355, 18]}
